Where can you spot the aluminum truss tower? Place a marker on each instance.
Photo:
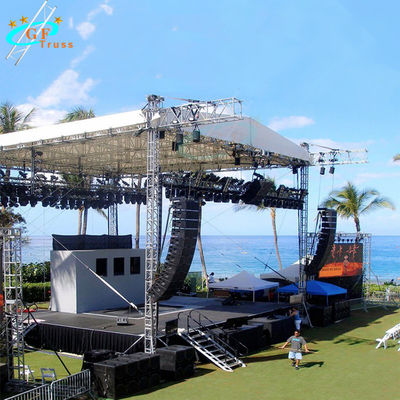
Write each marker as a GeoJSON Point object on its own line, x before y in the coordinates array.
{"type": "Point", "coordinates": [192, 114]}
{"type": "Point", "coordinates": [13, 305]}
{"type": "Point", "coordinates": [152, 221]}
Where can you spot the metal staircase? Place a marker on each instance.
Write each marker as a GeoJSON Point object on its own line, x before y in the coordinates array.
{"type": "Point", "coordinates": [205, 338]}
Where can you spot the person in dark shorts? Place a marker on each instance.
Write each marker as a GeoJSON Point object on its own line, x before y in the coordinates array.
{"type": "Point", "coordinates": [296, 343]}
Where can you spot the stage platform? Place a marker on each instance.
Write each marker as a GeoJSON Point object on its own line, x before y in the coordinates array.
{"type": "Point", "coordinates": [77, 333]}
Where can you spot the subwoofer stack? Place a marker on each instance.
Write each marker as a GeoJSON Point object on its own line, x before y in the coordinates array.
{"type": "Point", "coordinates": [176, 362]}
{"type": "Point", "coordinates": [126, 375]}
{"type": "Point", "coordinates": [185, 224]}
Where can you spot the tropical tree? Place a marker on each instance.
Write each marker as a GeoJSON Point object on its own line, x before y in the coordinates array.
{"type": "Point", "coordinates": [12, 119]}
{"type": "Point", "coordinates": [272, 212]}
{"type": "Point", "coordinates": [77, 114]}
{"type": "Point", "coordinates": [351, 202]}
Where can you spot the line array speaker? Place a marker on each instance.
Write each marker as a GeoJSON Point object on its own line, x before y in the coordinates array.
{"type": "Point", "coordinates": [185, 223]}
{"type": "Point", "coordinates": [326, 238]}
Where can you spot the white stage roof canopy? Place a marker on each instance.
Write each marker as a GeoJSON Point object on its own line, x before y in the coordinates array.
{"type": "Point", "coordinates": [116, 145]}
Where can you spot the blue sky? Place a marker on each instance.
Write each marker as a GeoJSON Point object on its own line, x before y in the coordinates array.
{"type": "Point", "coordinates": [324, 72]}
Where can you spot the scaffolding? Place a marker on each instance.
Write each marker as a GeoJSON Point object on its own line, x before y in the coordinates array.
{"type": "Point", "coordinates": [13, 305]}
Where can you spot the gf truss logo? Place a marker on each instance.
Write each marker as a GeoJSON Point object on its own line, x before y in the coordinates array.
{"type": "Point", "coordinates": [36, 33]}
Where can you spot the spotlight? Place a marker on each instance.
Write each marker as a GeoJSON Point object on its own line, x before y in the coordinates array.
{"type": "Point", "coordinates": [162, 133]}
{"type": "Point", "coordinates": [294, 170]}
{"type": "Point", "coordinates": [237, 160]}
{"type": "Point", "coordinates": [23, 174]}
{"type": "Point", "coordinates": [322, 171]}
{"type": "Point", "coordinates": [332, 170]}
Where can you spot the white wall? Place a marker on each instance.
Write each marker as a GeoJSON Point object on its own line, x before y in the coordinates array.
{"type": "Point", "coordinates": [75, 289]}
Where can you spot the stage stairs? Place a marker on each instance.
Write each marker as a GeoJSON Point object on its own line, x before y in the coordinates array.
{"type": "Point", "coordinates": [205, 338]}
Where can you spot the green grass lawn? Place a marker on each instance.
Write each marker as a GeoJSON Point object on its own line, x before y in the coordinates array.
{"type": "Point", "coordinates": [344, 365]}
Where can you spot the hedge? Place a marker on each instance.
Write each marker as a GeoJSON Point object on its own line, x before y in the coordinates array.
{"type": "Point", "coordinates": [34, 292]}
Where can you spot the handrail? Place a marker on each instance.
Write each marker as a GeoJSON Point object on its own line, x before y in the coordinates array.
{"type": "Point", "coordinates": [215, 337]}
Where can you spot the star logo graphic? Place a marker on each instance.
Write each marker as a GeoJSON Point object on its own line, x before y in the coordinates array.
{"type": "Point", "coordinates": [58, 20]}
{"type": "Point", "coordinates": [12, 24]}
{"type": "Point", "coordinates": [24, 20]}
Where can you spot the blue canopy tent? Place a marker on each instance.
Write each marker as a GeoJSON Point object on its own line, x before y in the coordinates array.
{"type": "Point", "coordinates": [315, 288]}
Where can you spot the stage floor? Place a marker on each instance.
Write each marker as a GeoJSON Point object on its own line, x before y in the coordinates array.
{"type": "Point", "coordinates": [106, 320]}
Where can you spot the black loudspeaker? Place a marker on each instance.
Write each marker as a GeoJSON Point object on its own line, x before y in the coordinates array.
{"type": "Point", "coordinates": [95, 356]}
{"type": "Point", "coordinates": [3, 376]}
{"type": "Point", "coordinates": [326, 238]}
{"type": "Point", "coordinates": [176, 362]}
{"type": "Point", "coordinates": [185, 224]}
{"type": "Point", "coordinates": [321, 316]}
{"type": "Point", "coordinates": [126, 375]}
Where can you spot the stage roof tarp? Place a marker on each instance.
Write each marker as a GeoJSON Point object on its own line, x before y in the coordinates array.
{"type": "Point", "coordinates": [243, 281]}
{"type": "Point", "coordinates": [315, 288]}
{"type": "Point", "coordinates": [116, 144]}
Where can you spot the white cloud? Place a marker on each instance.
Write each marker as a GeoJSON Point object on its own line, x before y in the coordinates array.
{"type": "Point", "coordinates": [42, 116]}
{"type": "Point", "coordinates": [85, 29]}
{"type": "Point", "coordinates": [159, 76]}
{"type": "Point", "coordinates": [77, 60]}
{"type": "Point", "coordinates": [282, 123]}
{"type": "Point", "coordinates": [66, 90]}
{"type": "Point", "coordinates": [107, 9]}
{"type": "Point", "coordinates": [71, 23]}
{"type": "Point", "coordinates": [174, 28]}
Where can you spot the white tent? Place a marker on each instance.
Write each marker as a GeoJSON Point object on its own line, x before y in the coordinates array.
{"type": "Point", "coordinates": [244, 281]}
{"type": "Point", "coordinates": [290, 273]}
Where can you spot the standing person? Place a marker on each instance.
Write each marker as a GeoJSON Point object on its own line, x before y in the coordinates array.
{"type": "Point", "coordinates": [211, 278]}
{"type": "Point", "coordinates": [295, 314]}
{"type": "Point", "coordinates": [296, 342]}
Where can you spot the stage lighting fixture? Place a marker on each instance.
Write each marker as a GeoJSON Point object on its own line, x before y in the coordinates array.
{"type": "Point", "coordinates": [162, 133]}
{"type": "Point", "coordinates": [174, 146]}
{"type": "Point", "coordinates": [23, 174]}
{"type": "Point", "coordinates": [322, 171]}
{"type": "Point", "coordinates": [237, 160]}
{"type": "Point", "coordinates": [196, 135]}
{"type": "Point", "coordinates": [332, 170]}
{"type": "Point", "coordinates": [294, 170]}
{"type": "Point", "coordinates": [2, 173]}
{"type": "Point", "coordinates": [38, 153]}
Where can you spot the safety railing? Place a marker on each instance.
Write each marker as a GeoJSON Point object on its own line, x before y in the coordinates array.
{"type": "Point", "coordinates": [62, 389]}
{"type": "Point", "coordinates": [71, 386]}
{"type": "Point", "coordinates": [39, 393]}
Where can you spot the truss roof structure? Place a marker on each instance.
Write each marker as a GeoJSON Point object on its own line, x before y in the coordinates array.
{"type": "Point", "coordinates": [116, 144]}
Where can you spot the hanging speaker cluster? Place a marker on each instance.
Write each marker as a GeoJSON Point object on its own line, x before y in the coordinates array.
{"type": "Point", "coordinates": [185, 224]}
{"type": "Point", "coordinates": [326, 238]}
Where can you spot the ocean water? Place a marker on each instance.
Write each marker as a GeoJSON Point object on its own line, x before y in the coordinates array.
{"type": "Point", "coordinates": [228, 255]}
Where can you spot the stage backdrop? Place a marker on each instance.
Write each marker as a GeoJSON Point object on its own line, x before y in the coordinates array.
{"type": "Point", "coordinates": [344, 268]}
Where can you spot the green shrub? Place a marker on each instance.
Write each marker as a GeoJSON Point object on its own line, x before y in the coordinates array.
{"type": "Point", "coordinates": [33, 292]}
{"type": "Point", "coordinates": [36, 272]}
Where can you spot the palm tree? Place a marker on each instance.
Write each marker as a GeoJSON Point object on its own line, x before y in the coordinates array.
{"type": "Point", "coordinates": [272, 212]}
{"type": "Point", "coordinates": [77, 114]}
{"type": "Point", "coordinates": [350, 202]}
{"type": "Point", "coordinates": [11, 119]}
